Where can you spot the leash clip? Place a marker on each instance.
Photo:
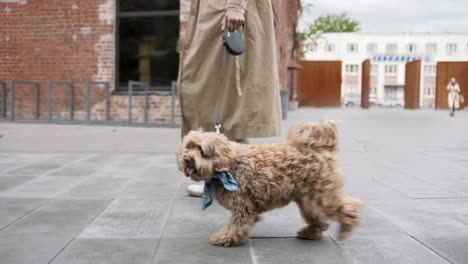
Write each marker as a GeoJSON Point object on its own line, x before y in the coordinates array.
{"type": "Point", "coordinates": [218, 128]}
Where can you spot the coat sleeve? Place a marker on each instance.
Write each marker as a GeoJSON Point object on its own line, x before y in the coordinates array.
{"type": "Point", "coordinates": [236, 5]}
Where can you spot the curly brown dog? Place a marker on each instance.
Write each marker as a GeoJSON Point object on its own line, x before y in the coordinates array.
{"type": "Point", "coordinates": [302, 169]}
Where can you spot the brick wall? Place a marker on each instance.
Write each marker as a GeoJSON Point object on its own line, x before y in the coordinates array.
{"type": "Point", "coordinates": [55, 40]}
{"type": "Point", "coordinates": [286, 17]}
{"type": "Point", "coordinates": [45, 40]}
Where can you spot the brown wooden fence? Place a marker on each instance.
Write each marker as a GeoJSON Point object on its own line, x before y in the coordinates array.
{"type": "Point", "coordinates": [319, 83]}
{"type": "Point", "coordinates": [365, 84]}
{"type": "Point", "coordinates": [412, 84]}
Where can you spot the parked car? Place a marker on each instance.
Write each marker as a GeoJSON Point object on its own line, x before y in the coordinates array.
{"type": "Point", "coordinates": [355, 99]}
{"type": "Point", "coordinates": [351, 100]}
{"type": "Point", "coordinates": [391, 103]}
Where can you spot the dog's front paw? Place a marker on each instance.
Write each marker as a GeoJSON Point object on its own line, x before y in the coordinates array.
{"type": "Point", "coordinates": [310, 233]}
{"type": "Point", "coordinates": [223, 240]}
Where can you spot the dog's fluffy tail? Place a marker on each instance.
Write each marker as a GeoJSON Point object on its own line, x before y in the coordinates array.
{"type": "Point", "coordinates": [320, 134]}
{"type": "Point", "coordinates": [349, 215]}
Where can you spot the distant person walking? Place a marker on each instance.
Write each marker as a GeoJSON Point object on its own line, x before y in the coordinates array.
{"type": "Point", "coordinates": [453, 96]}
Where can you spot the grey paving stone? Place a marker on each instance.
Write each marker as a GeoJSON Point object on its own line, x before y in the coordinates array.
{"type": "Point", "coordinates": [122, 165]}
{"type": "Point", "coordinates": [182, 190]}
{"type": "Point", "coordinates": [42, 187]}
{"type": "Point", "coordinates": [451, 246]}
{"type": "Point", "coordinates": [154, 183]}
{"type": "Point", "coordinates": [388, 249]}
{"type": "Point", "coordinates": [296, 251]}
{"type": "Point", "coordinates": [138, 219]}
{"type": "Point", "coordinates": [98, 164]}
{"type": "Point", "coordinates": [98, 187]}
{"type": "Point", "coordinates": [282, 222]}
{"type": "Point", "coordinates": [462, 218]}
{"type": "Point", "coordinates": [414, 188]}
{"type": "Point", "coordinates": [4, 156]}
{"type": "Point", "coordinates": [161, 161]}
{"type": "Point", "coordinates": [149, 189]}
{"type": "Point", "coordinates": [17, 161]}
{"type": "Point", "coordinates": [370, 224]}
{"type": "Point", "coordinates": [7, 182]}
{"type": "Point", "coordinates": [167, 171]}
{"type": "Point", "coordinates": [42, 167]}
{"type": "Point", "coordinates": [371, 190]}
{"type": "Point", "coordinates": [108, 251]}
{"type": "Point", "coordinates": [421, 221]}
{"type": "Point", "coordinates": [449, 181]}
{"type": "Point", "coordinates": [12, 209]}
{"type": "Point", "coordinates": [199, 251]}
{"type": "Point", "coordinates": [31, 248]}
{"type": "Point", "coordinates": [188, 220]}
{"type": "Point", "coordinates": [59, 217]}
{"type": "Point", "coordinates": [84, 167]}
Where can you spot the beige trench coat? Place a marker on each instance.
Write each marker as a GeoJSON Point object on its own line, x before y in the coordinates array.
{"type": "Point", "coordinates": [453, 95]}
{"type": "Point", "coordinates": [251, 103]}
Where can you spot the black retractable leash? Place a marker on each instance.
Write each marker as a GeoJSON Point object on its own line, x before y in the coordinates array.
{"type": "Point", "coordinates": [234, 43]}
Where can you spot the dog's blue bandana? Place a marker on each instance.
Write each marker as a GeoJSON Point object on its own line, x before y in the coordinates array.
{"type": "Point", "coordinates": [226, 179]}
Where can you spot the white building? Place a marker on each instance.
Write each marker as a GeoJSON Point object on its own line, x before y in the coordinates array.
{"type": "Point", "coordinates": [388, 54]}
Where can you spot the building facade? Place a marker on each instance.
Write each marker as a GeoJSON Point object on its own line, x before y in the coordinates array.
{"type": "Point", "coordinates": [388, 54]}
{"type": "Point", "coordinates": [112, 41]}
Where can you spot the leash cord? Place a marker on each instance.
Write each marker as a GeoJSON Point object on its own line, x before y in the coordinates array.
{"type": "Point", "coordinates": [221, 90]}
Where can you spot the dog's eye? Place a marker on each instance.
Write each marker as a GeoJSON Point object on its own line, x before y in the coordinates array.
{"type": "Point", "coordinates": [202, 153]}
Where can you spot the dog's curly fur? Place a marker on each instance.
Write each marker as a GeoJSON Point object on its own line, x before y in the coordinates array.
{"type": "Point", "coordinates": [302, 169]}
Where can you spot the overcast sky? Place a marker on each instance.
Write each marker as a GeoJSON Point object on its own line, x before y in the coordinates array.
{"type": "Point", "coordinates": [435, 16]}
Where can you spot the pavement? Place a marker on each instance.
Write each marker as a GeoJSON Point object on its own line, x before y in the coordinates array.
{"type": "Point", "coordinates": [103, 194]}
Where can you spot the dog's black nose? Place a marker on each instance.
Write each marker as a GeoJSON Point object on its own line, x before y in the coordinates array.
{"type": "Point", "coordinates": [187, 161]}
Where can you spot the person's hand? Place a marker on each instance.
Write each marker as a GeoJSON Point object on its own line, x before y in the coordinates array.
{"type": "Point", "coordinates": [233, 20]}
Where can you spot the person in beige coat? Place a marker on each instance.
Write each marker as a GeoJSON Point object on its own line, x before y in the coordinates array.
{"type": "Point", "coordinates": [251, 102]}
{"type": "Point", "coordinates": [453, 96]}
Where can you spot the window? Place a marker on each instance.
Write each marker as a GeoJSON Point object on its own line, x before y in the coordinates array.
{"type": "Point", "coordinates": [372, 47]}
{"type": "Point", "coordinates": [147, 43]}
{"type": "Point", "coordinates": [352, 68]}
{"type": "Point", "coordinates": [312, 47]}
{"type": "Point", "coordinates": [430, 70]}
{"type": "Point", "coordinates": [373, 69]}
{"type": "Point", "coordinates": [373, 91]}
{"type": "Point", "coordinates": [352, 47]}
{"type": "Point", "coordinates": [330, 47]}
{"type": "Point", "coordinates": [412, 48]}
{"type": "Point", "coordinates": [391, 93]}
{"type": "Point", "coordinates": [390, 69]}
{"type": "Point", "coordinates": [429, 92]}
{"type": "Point", "coordinates": [431, 48]}
{"type": "Point", "coordinates": [392, 48]}
{"type": "Point", "coordinates": [451, 48]}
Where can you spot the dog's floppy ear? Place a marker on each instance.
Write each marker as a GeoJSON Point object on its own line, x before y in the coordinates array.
{"type": "Point", "coordinates": [321, 134]}
{"type": "Point", "coordinates": [220, 150]}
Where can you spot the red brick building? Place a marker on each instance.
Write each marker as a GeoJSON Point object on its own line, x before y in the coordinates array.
{"type": "Point", "coordinates": [110, 41]}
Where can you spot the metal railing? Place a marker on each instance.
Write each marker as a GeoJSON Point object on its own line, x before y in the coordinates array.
{"type": "Point", "coordinates": [71, 108]}
{"type": "Point", "coordinates": [35, 84]}
{"type": "Point", "coordinates": [49, 97]}
{"type": "Point", "coordinates": [88, 99]}
{"type": "Point", "coordinates": [3, 85]}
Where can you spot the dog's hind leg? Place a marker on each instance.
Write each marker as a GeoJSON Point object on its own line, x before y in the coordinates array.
{"type": "Point", "coordinates": [238, 229]}
{"type": "Point", "coordinates": [315, 222]}
{"type": "Point", "coordinates": [348, 216]}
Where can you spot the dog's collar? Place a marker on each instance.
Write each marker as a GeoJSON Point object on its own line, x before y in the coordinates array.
{"type": "Point", "coordinates": [226, 179]}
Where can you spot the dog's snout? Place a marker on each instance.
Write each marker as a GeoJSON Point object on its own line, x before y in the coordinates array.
{"type": "Point", "coordinates": [187, 161]}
